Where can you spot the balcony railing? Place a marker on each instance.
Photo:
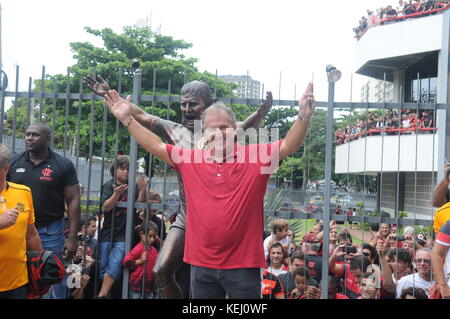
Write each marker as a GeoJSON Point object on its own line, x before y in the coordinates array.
{"type": "Point", "coordinates": [401, 18]}
{"type": "Point", "coordinates": [387, 132]}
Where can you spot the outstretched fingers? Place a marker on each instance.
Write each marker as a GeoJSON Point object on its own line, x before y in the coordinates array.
{"type": "Point", "coordinates": [310, 88]}
{"type": "Point", "coordinates": [111, 97]}
{"type": "Point", "coordinates": [90, 81]}
{"type": "Point", "coordinates": [108, 100]}
{"type": "Point", "coordinates": [99, 77]}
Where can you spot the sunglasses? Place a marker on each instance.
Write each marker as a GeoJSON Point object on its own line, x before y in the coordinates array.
{"type": "Point", "coordinates": [366, 254]}
{"type": "Point", "coordinates": [423, 261]}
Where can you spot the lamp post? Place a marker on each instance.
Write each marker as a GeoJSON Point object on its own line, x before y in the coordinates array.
{"type": "Point", "coordinates": [137, 80]}
{"type": "Point", "coordinates": [333, 75]}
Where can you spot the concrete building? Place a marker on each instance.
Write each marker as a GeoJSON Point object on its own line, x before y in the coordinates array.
{"type": "Point", "coordinates": [247, 87]}
{"type": "Point", "coordinates": [413, 55]}
{"type": "Point", "coordinates": [374, 90]}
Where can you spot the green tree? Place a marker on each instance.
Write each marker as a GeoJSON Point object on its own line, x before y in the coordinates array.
{"type": "Point", "coordinates": [158, 53]}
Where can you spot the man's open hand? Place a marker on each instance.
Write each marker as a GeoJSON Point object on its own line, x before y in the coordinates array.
{"type": "Point", "coordinates": [307, 103]}
{"type": "Point", "coordinates": [119, 107]}
{"type": "Point", "coordinates": [266, 105]}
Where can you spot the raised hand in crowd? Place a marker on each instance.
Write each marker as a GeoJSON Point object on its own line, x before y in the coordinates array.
{"type": "Point", "coordinates": [142, 182]}
{"type": "Point", "coordinates": [382, 245]}
{"type": "Point", "coordinates": [312, 293]}
{"type": "Point", "coordinates": [9, 217]}
{"type": "Point", "coordinates": [119, 190]}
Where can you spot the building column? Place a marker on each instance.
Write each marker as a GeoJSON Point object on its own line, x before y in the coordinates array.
{"type": "Point", "coordinates": [399, 85]}
{"type": "Point", "coordinates": [401, 193]}
{"type": "Point", "coordinates": [443, 116]}
{"type": "Point", "coordinates": [379, 190]}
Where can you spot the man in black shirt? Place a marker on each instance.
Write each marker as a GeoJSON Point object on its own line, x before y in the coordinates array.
{"type": "Point", "coordinates": [53, 182]}
{"type": "Point", "coordinates": [312, 247]}
{"type": "Point", "coordinates": [391, 13]}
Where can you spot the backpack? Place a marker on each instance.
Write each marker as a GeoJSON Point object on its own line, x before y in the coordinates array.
{"type": "Point", "coordinates": [44, 269]}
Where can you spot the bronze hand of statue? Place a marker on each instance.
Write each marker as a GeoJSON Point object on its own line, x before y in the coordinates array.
{"type": "Point", "coordinates": [99, 86]}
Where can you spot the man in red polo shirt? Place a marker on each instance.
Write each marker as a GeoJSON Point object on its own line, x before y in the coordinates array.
{"type": "Point", "coordinates": [225, 186]}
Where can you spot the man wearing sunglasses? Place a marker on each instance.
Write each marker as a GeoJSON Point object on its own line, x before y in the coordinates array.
{"type": "Point", "coordinates": [422, 279]}
{"type": "Point", "coordinates": [196, 97]}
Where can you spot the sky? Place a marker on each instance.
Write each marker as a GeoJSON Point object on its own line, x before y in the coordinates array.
{"type": "Point", "coordinates": [291, 40]}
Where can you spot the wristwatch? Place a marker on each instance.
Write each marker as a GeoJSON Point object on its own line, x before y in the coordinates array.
{"type": "Point", "coordinates": [128, 122]}
{"type": "Point", "coordinates": [304, 119]}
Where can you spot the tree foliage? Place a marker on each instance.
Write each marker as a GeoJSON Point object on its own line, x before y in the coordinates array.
{"type": "Point", "coordinates": [156, 53]}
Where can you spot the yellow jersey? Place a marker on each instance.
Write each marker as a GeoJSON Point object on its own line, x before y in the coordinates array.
{"type": "Point", "coordinates": [441, 216]}
{"type": "Point", "coordinates": [13, 243]}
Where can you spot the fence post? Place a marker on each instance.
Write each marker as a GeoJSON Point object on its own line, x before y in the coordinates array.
{"type": "Point", "coordinates": [137, 80]}
{"type": "Point", "coordinates": [327, 189]}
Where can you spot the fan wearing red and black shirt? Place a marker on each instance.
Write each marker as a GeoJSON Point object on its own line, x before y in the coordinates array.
{"type": "Point", "coordinates": [312, 244]}
{"type": "Point", "coordinates": [271, 286]}
{"type": "Point", "coordinates": [225, 186]}
{"type": "Point", "coordinates": [351, 273]}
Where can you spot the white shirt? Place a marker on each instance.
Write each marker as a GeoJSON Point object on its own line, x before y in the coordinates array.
{"type": "Point", "coordinates": [413, 280]}
{"type": "Point", "coordinates": [285, 241]}
{"type": "Point", "coordinates": [277, 272]}
{"type": "Point", "coordinates": [406, 123]}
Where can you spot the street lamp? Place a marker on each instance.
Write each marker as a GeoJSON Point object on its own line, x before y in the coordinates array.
{"type": "Point", "coordinates": [333, 76]}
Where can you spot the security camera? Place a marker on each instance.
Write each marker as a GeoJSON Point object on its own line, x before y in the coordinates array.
{"type": "Point", "coordinates": [135, 64]}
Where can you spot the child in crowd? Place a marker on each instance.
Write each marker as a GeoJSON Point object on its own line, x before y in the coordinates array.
{"type": "Point", "coordinates": [280, 231]}
{"type": "Point", "coordinates": [142, 254]}
{"type": "Point", "coordinates": [301, 277]}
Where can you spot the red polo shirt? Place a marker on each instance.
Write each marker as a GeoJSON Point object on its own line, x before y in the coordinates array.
{"type": "Point", "coordinates": [225, 205]}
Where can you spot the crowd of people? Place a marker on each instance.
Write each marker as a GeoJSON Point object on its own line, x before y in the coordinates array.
{"type": "Point", "coordinates": [388, 14]}
{"type": "Point", "coordinates": [390, 123]}
{"type": "Point", "coordinates": [386, 267]}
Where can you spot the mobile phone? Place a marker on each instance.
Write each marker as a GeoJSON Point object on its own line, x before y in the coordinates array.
{"type": "Point", "coordinates": [85, 270]}
{"type": "Point", "coordinates": [350, 250]}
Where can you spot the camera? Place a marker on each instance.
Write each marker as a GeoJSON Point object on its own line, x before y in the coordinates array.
{"type": "Point", "coordinates": [82, 237]}
{"type": "Point", "coordinates": [349, 249]}
{"type": "Point", "coordinates": [400, 238]}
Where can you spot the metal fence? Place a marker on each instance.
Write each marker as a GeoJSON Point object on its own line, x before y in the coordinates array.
{"type": "Point", "coordinates": [293, 206]}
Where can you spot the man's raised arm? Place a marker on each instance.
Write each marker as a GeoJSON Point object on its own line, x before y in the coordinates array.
{"type": "Point", "coordinates": [121, 109]}
{"type": "Point", "coordinates": [298, 130]}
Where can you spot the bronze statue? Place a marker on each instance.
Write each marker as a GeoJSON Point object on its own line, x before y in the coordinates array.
{"type": "Point", "coordinates": [195, 98]}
